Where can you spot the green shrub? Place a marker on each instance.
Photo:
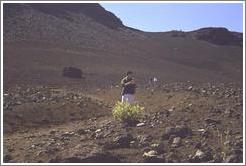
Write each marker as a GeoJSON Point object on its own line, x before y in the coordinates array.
{"type": "Point", "coordinates": [126, 112]}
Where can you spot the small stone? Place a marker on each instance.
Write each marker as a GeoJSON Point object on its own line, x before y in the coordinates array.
{"type": "Point", "coordinates": [205, 134]}
{"type": "Point", "coordinates": [68, 134]}
{"type": "Point", "coordinates": [190, 88]}
{"type": "Point", "coordinates": [140, 124]}
{"type": "Point", "coordinates": [171, 109]}
{"type": "Point", "coordinates": [199, 154]}
{"type": "Point", "coordinates": [201, 130]}
{"type": "Point", "coordinates": [227, 143]}
{"type": "Point", "coordinates": [133, 144]}
{"type": "Point", "coordinates": [18, 102]}
{"type": "Point", "coordinates": [176, 142]}
{"type": "Point", "coordinates": [159, 147]}
{"type": "Point", "coordinates": [98, 130]}
{"type": "Point", "coordinates": [239, 137]}
{"type": "Point", "coordinates": [151, 153]}
{"type": "Point", "coordinates": [203, 91]}
{"type": "Point", "coordinates": [198, 145]}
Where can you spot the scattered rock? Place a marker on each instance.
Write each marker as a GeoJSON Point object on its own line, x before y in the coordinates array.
{"type": "Point", "coordinates": [159, 147]}
{"type": "Point", "coordinates": [176, 142]}
{"type": "Point", "coordinates": [179, 131]}
{"type": "Point", "coordinates": [68, 134]}
{"type": "Point", "coordinates": [171, 109]}
{"type": "Point", "coordinates": [144, 140]}
{"type": "Point", "coordinates": [123, 141]}
{"type": "Point", "coordinates": [190, 87]}
{"type": "Point", "coordinates": [212, 121]}
{"type": "Point", "coordinates": [140, 124]}
{"type": "Point", "coordinates": [152, 157]}
{"type": "Point", "coordinates": [201, 156]}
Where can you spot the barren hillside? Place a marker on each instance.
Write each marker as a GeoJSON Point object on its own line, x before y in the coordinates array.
{"type": "Point", "coordinates": [41, 39]}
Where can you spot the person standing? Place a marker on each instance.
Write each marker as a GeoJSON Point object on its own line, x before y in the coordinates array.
{"type": "Point", "coordinates": [128, 88]}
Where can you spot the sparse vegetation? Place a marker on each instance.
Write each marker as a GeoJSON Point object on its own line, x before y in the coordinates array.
{"type": "Point", "coordinates": [126, 112]}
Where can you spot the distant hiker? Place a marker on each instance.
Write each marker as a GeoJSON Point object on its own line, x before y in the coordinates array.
{"type": "Point", "coordinates": [128, 88]}
{"type": "Point", "coordinates": [155, 79]}
{"type": "Point", "coordinates": [152, 84]}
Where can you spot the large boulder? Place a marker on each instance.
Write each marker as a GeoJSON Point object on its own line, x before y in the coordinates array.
{"type": "Point", "coordinates": [72, 72]}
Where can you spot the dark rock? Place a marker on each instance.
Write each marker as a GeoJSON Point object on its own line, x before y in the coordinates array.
{"type": "Point", "coordinates": [72, 72]}
{"type": "Point", "coordinates": [205, 134]}
{"type": "Point", "coordinates": [144, 140]}
{"type": "Point", "coordinates": [168, 132]}
{"type": "Point", "coordinates": [198, 145]}
{"type": "Point", "coordinates": [212, 121]}
{"type": "Point", "coordinates": [7, 158]}
{"type": "Point", "coordinates": [123, 141]}
{"type": "Point", "coordinates": [130, 122]}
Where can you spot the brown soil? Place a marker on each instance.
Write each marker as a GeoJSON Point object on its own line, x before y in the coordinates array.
{"type": "Point", "coordinates": [77, 125]}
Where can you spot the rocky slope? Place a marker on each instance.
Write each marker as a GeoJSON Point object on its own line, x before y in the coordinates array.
{"type": "Point", "coordinates": [51, 37]}
{"type": "Point", "coordinates": [194, 114]}
{"type": "Point", "coordinates": [182, 122]}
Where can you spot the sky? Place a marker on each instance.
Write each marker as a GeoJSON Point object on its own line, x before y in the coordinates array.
{"type": "Point", "coordinates": [159, 17]}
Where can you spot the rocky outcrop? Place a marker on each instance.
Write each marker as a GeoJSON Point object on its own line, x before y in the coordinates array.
{"type": "Point", "coordinates": [219, 36]}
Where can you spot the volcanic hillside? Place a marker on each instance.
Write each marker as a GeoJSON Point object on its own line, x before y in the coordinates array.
{"type": "Point", "coordinates": [41, 39]}
{"type": "Point", "coordinates": [193, 114]}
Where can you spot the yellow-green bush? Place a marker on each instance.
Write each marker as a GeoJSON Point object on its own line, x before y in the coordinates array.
{"type": "Point", "coordinates": [126, 112]}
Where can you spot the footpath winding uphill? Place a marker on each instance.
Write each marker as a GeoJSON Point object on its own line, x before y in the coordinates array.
{"type": "Point", "coordinates": [182, 122]}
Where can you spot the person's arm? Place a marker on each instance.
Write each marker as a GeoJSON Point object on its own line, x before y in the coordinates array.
{"type": "Point", "coordinates": [123, 82]}
{"type": "Point", "coordinates": [128, 83]}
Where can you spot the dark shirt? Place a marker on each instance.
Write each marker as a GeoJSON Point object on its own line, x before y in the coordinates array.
{"type": "Point", "coordinates": [127, 88]}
